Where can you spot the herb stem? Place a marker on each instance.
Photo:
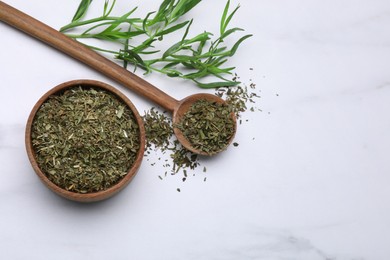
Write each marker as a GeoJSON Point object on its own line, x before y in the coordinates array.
{"type": "Point", "coordinates": [132, 21]}
{"type": "Point", "coordinates": [200, 54]}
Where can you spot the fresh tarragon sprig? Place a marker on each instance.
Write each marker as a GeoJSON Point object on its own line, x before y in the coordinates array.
{"type": "Point", "coordinates": [193, 58]}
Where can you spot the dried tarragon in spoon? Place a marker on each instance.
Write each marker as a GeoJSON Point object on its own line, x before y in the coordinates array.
{"type": "Point", "coordinates": [208, 126]}
{"type": "Point", "coordinates": [85, 139]}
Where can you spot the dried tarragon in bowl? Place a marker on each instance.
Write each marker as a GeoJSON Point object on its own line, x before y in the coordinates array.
{"type": "Point", "coordinates": [85, 139]}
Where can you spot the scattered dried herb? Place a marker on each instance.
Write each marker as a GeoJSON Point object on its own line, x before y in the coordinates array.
{"type": "Point", "coordinates": [158, 128]}
{"type": "Point", "coordinates": [161, 141]}
{"type": "Point", "coordinates": [85, 139]}
{"type": "Point", "coordinates": [160, 138]}
{"type": "Point", "coordinates": [240, 97]}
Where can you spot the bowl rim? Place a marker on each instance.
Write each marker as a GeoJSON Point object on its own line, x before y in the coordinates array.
{"type": "Point", "coordinates": [93, 196]}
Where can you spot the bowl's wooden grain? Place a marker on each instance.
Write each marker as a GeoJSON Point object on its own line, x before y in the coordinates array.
{"type": "Point", "coordinates": [95, 196]}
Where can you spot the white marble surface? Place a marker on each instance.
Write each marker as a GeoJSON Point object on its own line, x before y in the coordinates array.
{"type": "Point", "coordinates": [312, 185]}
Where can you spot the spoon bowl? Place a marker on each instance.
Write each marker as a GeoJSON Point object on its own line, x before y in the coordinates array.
{"type": "Point", "coordinates": [183, 107]}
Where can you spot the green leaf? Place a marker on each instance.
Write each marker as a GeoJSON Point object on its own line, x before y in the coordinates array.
{"type": "Point", "coordinates": [218, 84]}
{"type": "Point", "coordinates": [172, 29]}
{"type": "Point", "coordinates": [178, 9]}
{"type": "Point", "coordinates": [184, 57]}
{"type": "Point", "coordinates": [146, 44]}
{"type": "Point", "coordinates": [119, 21]}
{"type": "Point", "coordinates": [182, 7]}
{"type": "Point", "coordinates": [196, 75]}
{"type": "Point", "coordinates": [148, 52]}
{"type": "Point", "coordinates": [224, 15]}
{"type": "Point", "coordinates": [188, 65]}
{"type": "Point", "coordinates": [174, 48]}
{"type": "Point", "coordinates": [173, 73]}
{"type": "Point", "coordinates": [186, 31]}
{"type": "Point", "coordinates": [164, 5]}
{"type": "Point", "coordinates": [126, 49]}
{"type": "Point", "coordinates": [227, 21]}
{"type": "Point", "coordinates": [132, 57]}
{"type": "Point", "coordinates": [81, 10]}
{"type": "Point", "coordinates": [217, 71]}
{"type": "Point", "coordinates": [145, 22]}
{"type": "Point", "coordinates": [237, 44]}
{"type": "Point", "coordinates": [170, 65]}
{"type": "Point", "coordinates": [219, 50]}
{"type": "Point", "coordinates": [199, 38]}
{"type": "Point", "coordinates": [106, 11]}
{"type": "Point", "coordinates": [161, 13]}
{"type": "Point", "coordinates": [228, 32]}
{"type": "Point", "coordinates": [200, 47]}
{"type": "Point", "coordinates": [110, 36]}
{"type": "Point", "coordinates": [190, 5]}
{"type": "Point", "coordinates": [219, 61]}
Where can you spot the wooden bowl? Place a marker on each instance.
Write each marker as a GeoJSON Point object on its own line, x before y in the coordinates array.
{"type": "Point", "coordinates": [93, 196]}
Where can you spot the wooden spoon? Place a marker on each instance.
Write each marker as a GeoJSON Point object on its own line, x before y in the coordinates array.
{"type": "Point", "coordinates": [82, 53]}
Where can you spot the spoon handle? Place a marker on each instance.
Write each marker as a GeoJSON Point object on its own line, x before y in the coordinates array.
{"type": "Point", "coordinates": [82, 53]}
